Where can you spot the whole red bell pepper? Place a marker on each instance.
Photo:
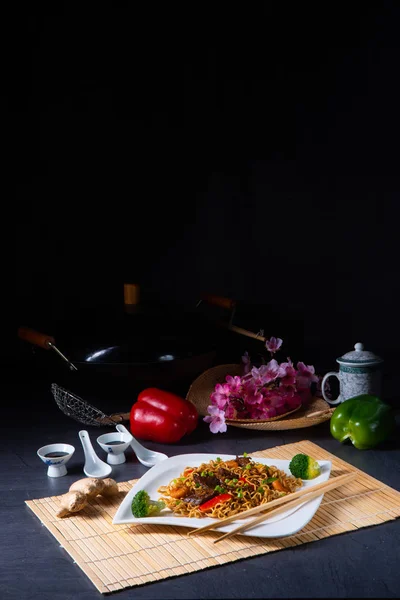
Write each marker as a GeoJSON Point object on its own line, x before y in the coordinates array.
{"type": "Point", "coordinates": [162, 416]}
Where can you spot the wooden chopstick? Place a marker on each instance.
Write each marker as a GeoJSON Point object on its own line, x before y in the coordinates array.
{"type": "Point", "coordinates": [319, 413]}
{"type": "Point", "coordinates": [267, 507]}
{"type": "Point", "coordinates": [330, 485]}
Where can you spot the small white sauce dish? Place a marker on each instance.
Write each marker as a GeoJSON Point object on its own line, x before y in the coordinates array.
{"type": "Point", "coordinates": [56, 456]}
{"type": "Point", "coordinates": [115, 445]}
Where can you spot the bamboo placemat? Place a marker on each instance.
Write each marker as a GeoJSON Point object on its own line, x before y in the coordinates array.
{"type": "Point", "coordinates": [120, 556]}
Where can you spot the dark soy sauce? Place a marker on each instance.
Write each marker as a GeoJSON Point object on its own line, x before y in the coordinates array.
{"type": "Point", "coordinates": [114, 443]}
{"type": "Point", "coordinates": [56, 454]}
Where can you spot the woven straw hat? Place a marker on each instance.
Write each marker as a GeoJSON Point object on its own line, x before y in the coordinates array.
{"type": "Point", "coordinates": [201, 389]}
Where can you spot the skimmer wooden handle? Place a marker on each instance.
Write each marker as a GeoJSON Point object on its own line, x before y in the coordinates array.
{"type": "Point", "coordinates": [36, 338]}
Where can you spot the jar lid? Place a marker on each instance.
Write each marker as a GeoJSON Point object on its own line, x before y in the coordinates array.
{"type": "Point", "coordinates": [359, 357]}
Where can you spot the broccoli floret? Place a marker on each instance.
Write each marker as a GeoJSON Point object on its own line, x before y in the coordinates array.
{"type": "Point", "coordinates": [303, 466]}
{"type": "Point", "coordinates": [142, 506]}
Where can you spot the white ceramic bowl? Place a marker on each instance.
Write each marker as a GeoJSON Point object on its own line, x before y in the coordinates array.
{"type": "Point", "coordinates": [56, 456]}
{"type": "Point", "coordinates": [115, 445]}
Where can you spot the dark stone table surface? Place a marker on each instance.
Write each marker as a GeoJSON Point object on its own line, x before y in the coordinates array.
{"type": "Point", "coordinates": [363, 563]}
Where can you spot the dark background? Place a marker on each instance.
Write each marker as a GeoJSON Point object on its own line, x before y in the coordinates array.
{"type": "Point", "coordinates": [251, 152]}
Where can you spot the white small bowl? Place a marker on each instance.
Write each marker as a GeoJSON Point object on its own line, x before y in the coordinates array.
{"type": "Point", "coordinates": [115, 445]}
{"type": "Point", "coordinates": [56, 463]}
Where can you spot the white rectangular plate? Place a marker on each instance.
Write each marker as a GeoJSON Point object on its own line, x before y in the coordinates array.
{"type": "Point", "coordinates": [286, 523]}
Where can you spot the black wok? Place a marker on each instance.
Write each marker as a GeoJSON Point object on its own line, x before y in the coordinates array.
{"type": "Point", "coordinates": [108, 362]}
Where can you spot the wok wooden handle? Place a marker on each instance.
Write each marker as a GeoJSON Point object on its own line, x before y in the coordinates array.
{"type": "Point", "coordinates": [227, 303]}
{"type": "Point", "coordinates": [251, 334]}
{"type": "Point", "coordinates": [131, 293]}
{"type": "Point", "coordinates": [36, 338]}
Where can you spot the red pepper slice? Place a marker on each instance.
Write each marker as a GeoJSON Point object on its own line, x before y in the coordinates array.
{"type": "Point", "coordinates": [248, 482]}
{"type": "Point", "coordinates": [216, 500]}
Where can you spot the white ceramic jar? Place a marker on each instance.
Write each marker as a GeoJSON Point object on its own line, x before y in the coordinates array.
{"type": "Point", "coordinates": [360, 372]}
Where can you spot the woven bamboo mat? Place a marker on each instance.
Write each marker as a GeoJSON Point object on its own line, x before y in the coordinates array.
{"type": "Point", "coordinates": [120, 556]}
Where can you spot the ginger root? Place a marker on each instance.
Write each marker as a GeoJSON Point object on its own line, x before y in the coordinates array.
{"type": "Point", "coordinates": [83, 489]}
{"type": "Point", "coordinates": [89, 486]}
{"type": "Point", "coordinates": [110, 487]}
{"type": "Point", "coordinates": [71, 502]}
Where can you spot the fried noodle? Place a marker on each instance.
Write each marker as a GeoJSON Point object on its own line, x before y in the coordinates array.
{"type": "Point", "coordinates": [248, 482]}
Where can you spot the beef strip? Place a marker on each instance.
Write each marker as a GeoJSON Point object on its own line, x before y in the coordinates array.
{"type": "Point", "coordinates": [225, 474]}
{"type": "Point", "coordinates": [199, 499]}
{"type": "Point", "coordinates": [207, 484]}
{"type": "Point", "coordinates": [208, 481]}
{"type": "Point", "coordinates": [242, 461]}
{"type": "Point", "coordinates": [200, 495]}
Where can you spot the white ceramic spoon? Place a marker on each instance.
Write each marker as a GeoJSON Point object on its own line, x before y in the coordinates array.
{"type": "Point", "coordinates": [147, 457]}
{"type": "Point", "coordinates": [94, 466]}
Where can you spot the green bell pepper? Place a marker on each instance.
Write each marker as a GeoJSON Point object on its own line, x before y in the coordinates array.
{"type": "Point", "coordinates": [365, 420]}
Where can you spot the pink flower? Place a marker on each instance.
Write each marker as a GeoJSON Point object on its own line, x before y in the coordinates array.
{"type": "Point", "coordinates": [272, 370]}
{"type": "Point", "coordinates": [263, 392]}
{"type": "Point", "coordinates": [273, 344]}
{"type": "Point", "coordinates": [281, 410]}
{"type": "Point", "coordinates": [221, 395]}
{"type": "Point", "coordinates": [216, 420]}
{"type": "Point", "coordinates": [236, 409]}
{"type": "Point", "coordinates": [287, 390]}
{"type": "Point", "coordinates": [305, 396]}
{"type": "Point", "coordinates": [266, 373]}
{"type": "Point", "coordinates": [287, 374]}
{"type": "Point", "coordinates": [235, 384]}
{"type": "Point", "coordinates": [284, 368]}
{"type": "Point", "coordinates": [257, 375]}
{"type": "Point", "coordinates": [293, 401]}
{"type": "Point", "coordinates": [260, 412]}
{"type": "Point", "coordinates": [305, 376]}
{"type": "Point", "coordinates": [277, 401]}
{"type": "Point", "coordinates": [251, 394]}
{"type": "Point", "coordinates": [271, 412]}
{"type": "Point", "coordinates": [230, 411]}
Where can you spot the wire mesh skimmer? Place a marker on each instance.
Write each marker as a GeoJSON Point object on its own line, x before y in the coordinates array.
{"type": "Point", "coordinates": [75, 407]}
